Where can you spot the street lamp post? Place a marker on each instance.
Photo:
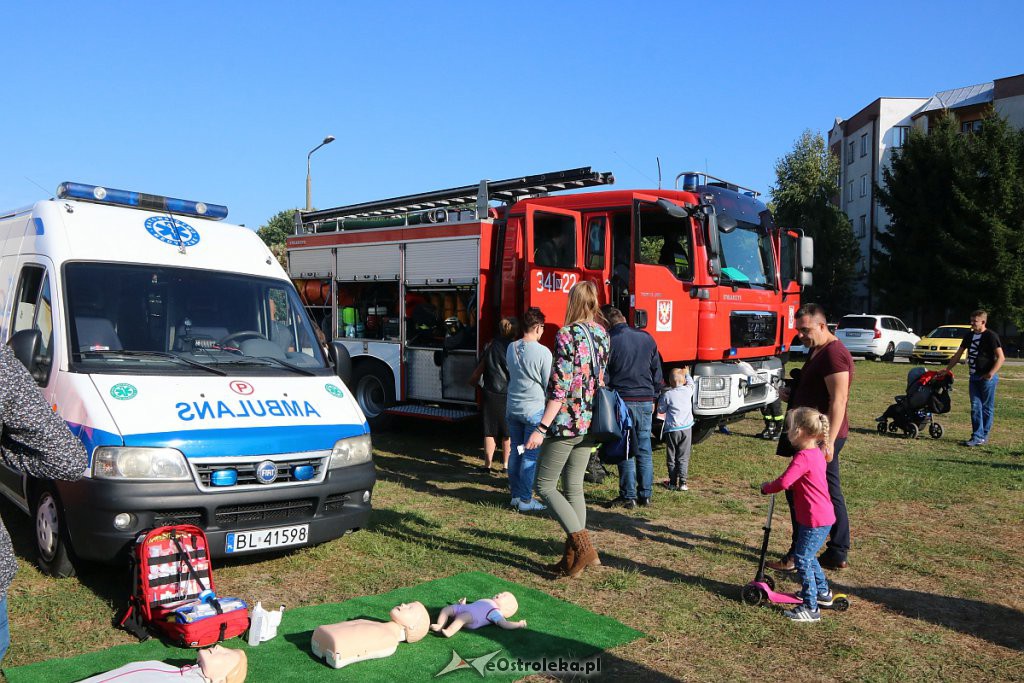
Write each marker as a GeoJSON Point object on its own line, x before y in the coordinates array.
{"type": "Point", "coordinates": [309, 196]}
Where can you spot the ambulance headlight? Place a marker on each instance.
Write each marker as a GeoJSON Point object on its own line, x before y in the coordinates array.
{"type": "Point", "coordinates": [110, 462]}
{"type": "Point", "coordinates": [354, 450]}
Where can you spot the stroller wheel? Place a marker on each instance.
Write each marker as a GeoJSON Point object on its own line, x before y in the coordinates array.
{"type": "Point", "coordinates": [882, 428]}
{"type": "Point", "coordinates": [893, 428]}
{"type": "Point", "coordinates": [911, 431]}
{"type": "Point", "coordinates": [935, 430]}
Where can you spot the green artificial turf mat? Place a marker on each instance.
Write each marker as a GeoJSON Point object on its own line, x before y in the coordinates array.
{"type": "Point", "coordinates": [557, 629]}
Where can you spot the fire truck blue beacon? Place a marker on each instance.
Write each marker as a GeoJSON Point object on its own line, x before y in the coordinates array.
{"type": "Point", "coordinates": [177, 349]}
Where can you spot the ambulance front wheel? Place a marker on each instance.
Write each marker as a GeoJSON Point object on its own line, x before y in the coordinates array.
{"type": "Point", "coordinates": [374, 391]}
{"type": "Point", "coordinates": [52, 546]}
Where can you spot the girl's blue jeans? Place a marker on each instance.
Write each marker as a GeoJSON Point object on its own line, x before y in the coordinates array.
{"type": "Point", "coordinates": [805, 555]}
{"type": "Point", "coordinates": [522, 468]}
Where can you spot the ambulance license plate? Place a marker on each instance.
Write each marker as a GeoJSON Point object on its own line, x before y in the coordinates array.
{"type": "Point", "coordinates": [262, 539]}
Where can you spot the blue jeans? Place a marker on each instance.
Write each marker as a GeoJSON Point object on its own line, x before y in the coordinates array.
{"type": "Point", "coordinates": [983, 405]}
{"type": "Point", "coordinates": [5, 629]}
{"type": "Point", "coordinates": [522, 469]}
{"type": "Point", "coordinates": [642, 412]}
{"type": "Point", "coordinates": [808, 541]}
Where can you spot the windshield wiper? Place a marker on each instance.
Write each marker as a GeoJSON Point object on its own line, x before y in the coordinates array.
{"type": "Point", "coordinates": [156, 354]}
{"type": "Point", "coordinates": [265, 361]}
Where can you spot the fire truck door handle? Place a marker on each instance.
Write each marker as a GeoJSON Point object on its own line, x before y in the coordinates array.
{"type": "Point", "coordinates": [607, 283]}
{"type": "Point", "coordinates": [639, 318]}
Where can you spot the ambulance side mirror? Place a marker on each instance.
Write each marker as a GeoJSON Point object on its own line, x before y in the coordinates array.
{"type": "Point", "coordinates": [342, 362]}
{"type": "Point", "coordinates": [26, 345]}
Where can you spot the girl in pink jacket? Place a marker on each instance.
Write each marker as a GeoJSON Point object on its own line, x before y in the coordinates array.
{"type": "Point", "coordinates": [807, 430]}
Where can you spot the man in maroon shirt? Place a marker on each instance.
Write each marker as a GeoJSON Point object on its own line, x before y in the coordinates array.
{"type": "Point", "coordinates": [824, 384]}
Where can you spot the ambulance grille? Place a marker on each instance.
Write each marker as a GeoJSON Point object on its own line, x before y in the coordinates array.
{"type": "Point", "coordinates": [335, 502]}
{"type": "Point", "coordinates": [169, 517]}
{"type": "Point", "coordinates": [232, 515]}
{"type": "Point", "coordinates": [246, 471]}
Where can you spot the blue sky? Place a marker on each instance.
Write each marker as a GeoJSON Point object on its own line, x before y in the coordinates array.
{"type": "Point", "coordinates": [221, 101]}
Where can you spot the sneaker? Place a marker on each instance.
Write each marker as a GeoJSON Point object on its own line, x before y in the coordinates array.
{"type": "Point", "coordinates": [514, 503]}
{"type": "Point", "coordinates": [670, 486]}
{"type": "Point", "coordinates": [643, 502]}
{"type": "Point", "coordinates": [974, 442]}
{"type": "Point", "coordinates": [532, 506]}
{"type": "Point", "coordinates": [802, 613]}
{"type": "Point", "coordinates": [722, 429]}
{"type": "Point", "coordinates": [824, 599]}
{"type": "Point", "coordinates": [682, 487]}
{"type": "Point", "coordinates": [620, 502]}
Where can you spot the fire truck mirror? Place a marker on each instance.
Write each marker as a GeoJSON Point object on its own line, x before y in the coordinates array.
{"type": "Point", "coordinates": [712, 241]}
{"type": "Point", "coordinates": [806, 253]}
{"type": "Point", "coordinates": [672, 209]}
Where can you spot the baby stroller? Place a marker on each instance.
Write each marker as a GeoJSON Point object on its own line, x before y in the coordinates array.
{"type": "Point", "coordinates": [927, 395]}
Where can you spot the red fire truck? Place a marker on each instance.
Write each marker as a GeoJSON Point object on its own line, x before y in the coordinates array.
{"type": "Point", "coordinates": [414, 286]}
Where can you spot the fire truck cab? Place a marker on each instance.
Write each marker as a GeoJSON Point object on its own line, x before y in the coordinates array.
{"type": "Point", "coordinates": [414, 286]}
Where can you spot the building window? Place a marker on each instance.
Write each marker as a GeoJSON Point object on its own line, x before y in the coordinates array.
{"type": "Point", "coordinates": [970, 126]}
{"type": "Point", "coordinates": [864, 145]}
{"type": "Point", "coordinates": [900, 135]}
{"type": "Point", "coordinates": [862, 227]}
{"type": "Point", "coordinates": [849, 191]}
{"type": "Point", "coordinates": [849, 157]}
{"type": "Point", "coordinates": [864, 185]}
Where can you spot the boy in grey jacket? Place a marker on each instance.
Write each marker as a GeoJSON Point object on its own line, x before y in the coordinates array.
{"type": "Point", "coordinates": [675, 407]}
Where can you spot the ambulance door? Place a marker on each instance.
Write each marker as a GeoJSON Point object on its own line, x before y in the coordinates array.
{"type": "Point", "coordinates": [33, 309]}
{"type": "Point", "coordinates": [597, 262]}
{"type": "Point", "coordinates": [553, 249]}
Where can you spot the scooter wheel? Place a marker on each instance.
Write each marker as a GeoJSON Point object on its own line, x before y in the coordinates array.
{"type": "Point", "coordinates": [770, 581]}
{"type": "Point", "coordinates": [935, 430]}
{"type": "Point", "coordinates": [841, 604]}
{"type": "Point", "coordinates": [753, 596]}
{"type": "Point", "coordinates": [882, 427]}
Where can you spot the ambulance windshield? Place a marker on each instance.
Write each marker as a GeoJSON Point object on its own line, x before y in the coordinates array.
{"type": "Point", "coordinates": [133, 318]}
{"type": "Point", "coordinates": [747, 257]}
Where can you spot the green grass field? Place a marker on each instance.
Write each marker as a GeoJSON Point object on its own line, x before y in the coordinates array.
{"type": "Point", "coordinates": [935, 576]}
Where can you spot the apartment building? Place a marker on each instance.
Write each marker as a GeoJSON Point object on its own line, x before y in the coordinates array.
{"type": "Point", "coordinates": [864, 144]}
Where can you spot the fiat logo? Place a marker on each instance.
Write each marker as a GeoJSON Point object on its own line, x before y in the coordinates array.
{"type": "Point", "coordinates": [243, 388]}
{"type": "Point", "coordinates": [266, 472]}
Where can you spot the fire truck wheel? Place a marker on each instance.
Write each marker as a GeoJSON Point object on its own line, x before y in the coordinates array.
{"type": "Point", "coordinates": [374, 390]}
{"type": "Point", "coordinates": [53, 549]}
{"type": "Point", "coordinates": [702, 430]}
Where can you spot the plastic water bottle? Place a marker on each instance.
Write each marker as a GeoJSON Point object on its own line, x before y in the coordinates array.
{"type": "Point", "coordinates": [257, 624]}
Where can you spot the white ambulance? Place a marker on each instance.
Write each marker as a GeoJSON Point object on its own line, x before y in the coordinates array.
{"type": "Point", "coordinates": [176, 348]}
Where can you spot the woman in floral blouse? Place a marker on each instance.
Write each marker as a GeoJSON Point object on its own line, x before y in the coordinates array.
{"type": "Point", "coordinates": [581, 354]}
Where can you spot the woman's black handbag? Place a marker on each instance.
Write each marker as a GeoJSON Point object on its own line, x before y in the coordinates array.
{"type": "Point", "coordinates": [604, 421]}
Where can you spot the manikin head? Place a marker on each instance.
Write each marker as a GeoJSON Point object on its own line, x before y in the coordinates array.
{"type": "Point", "coordinates": [413, 617]}
{"type": "Point", "coordinates": [507, 604]}
{"type": "Point", "coordinates": [812, 326]}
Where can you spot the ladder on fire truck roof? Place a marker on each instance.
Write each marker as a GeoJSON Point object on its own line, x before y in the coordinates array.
{"type": "Point", "coordinates": [509, 191]}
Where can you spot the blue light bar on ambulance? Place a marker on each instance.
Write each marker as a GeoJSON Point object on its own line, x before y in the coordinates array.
{"type": "Point", "coordinates": [152, 202]}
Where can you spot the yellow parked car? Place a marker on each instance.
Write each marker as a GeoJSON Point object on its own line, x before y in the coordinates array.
{"type": "Point", "coordinates": [940, 344]}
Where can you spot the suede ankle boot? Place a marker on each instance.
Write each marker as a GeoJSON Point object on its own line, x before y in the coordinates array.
{"type": "Point", "coordinates": [585, 556]}
{"type": "Point", "coordinates": [568, 557]}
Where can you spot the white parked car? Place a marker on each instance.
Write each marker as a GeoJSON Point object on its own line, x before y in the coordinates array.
{"type": "Point", "coordinates": [876, 336]}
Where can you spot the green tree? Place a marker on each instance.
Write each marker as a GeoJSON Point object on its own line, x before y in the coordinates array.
{"type": "Point", "coordinates": [956, 240]}
{"type": "Point", "coordinates": [278, 228]}
{"type": "Point", "coordinates": [806, 183]}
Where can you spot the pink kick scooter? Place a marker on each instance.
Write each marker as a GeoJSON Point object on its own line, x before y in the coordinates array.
{"type": "Point", "coordinates": [762, 588]}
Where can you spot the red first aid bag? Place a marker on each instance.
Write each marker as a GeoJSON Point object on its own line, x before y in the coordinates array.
{"type": "Point", "coordinates": [173, 593]}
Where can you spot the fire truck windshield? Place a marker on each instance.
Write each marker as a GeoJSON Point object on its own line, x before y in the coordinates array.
{"type": "Point", "coordinates": [747, 257]}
